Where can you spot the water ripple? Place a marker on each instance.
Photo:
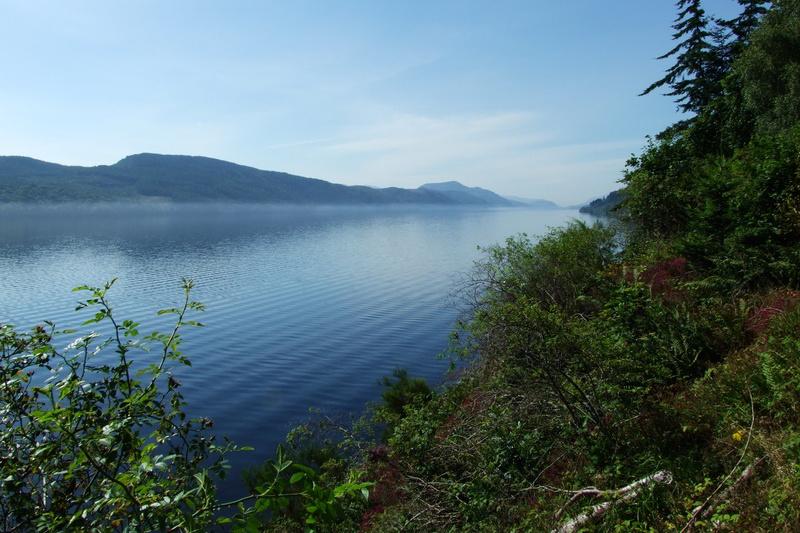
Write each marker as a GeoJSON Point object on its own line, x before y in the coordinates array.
{"type": "Point", "coordinates": [304, 309]}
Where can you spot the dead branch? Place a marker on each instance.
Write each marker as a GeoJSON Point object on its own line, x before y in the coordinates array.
{"type": "Point", "coordinates": [744, 476]}
{"type": "Point", "coordinates": [699, 509]}
{"type": "Point", "coordinates": [624, 494]}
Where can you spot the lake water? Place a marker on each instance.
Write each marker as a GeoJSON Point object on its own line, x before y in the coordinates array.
{"type": "Point", "coordinates": [306, 307]}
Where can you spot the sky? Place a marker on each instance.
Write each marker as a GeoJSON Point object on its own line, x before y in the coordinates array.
{"type": "Point", "coordinates": [531, 98]}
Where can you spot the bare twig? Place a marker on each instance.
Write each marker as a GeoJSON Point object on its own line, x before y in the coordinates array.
{"type": "Point", "coordinates": [699, 510]}
{"type": "Point", "coordinates": [746, 473]}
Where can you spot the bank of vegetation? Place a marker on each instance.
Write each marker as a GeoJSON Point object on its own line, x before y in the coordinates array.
{"type": "Point", "coordinates": [640, 375]}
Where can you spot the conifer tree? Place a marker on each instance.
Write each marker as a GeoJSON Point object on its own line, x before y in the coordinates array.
{"type": "Point", "coordinates": [752, 13]}
{"type": "Point", "coordinates": [769, 69]}
{"type": "Point", "coordinates": [696, 76]}
{"type": "Point", "coordinates": [740, 28]}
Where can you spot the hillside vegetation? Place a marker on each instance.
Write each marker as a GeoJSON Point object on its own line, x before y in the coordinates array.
{"type": "Point", "coordinates": [641, 375]}
{"type": "Point", "coordinates": [183, 179]}
{"type": "Point", "coordinates": [604, 207]}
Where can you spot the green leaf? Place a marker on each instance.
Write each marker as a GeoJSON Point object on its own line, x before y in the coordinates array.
{"type": "Point", "coordinates": [262, 504]}
{"type": "Point", "coordinates": [306, 469]}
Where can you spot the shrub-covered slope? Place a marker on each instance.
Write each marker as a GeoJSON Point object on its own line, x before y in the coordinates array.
{"type": "Point", "coordinates": [640, 375]}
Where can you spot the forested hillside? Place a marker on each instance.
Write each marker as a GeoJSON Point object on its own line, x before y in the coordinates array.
{"type": "Point", "coordinates": [642, 375]}
{"type": "Point", "coordinates": [182, 179]}
{"type": "Point", "coordinates": [603, 207]}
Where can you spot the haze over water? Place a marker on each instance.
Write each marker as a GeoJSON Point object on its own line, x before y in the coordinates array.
{"type": "Point", "coordinates": [306, 307]}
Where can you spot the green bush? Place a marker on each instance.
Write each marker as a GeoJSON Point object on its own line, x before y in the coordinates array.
{"type": "Point", "coordinates": [94, 437]}
{"type": "Point", "coordinates": [563, 269]}
{"type": "Point", "coordinates": [402, 392]}
{"type": "Point", "coordinates": [94, 441]}
{"type": "Point", "coordinates": [532, 310]}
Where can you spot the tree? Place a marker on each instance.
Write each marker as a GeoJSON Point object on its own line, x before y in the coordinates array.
{"type": "Point", "coordinates": [769, 69]}
{"type": "Point", "coordinates": [100, 442]}
{"type": "Point", "coordinates": [401, 391]}
{"type": "Point", "coordinates": [743, 25]}
{"type": "Point", "coordinates": [696, 76]}
{"type": "Point", "coordinates": [660, 191]}
{"type": "Point", "coordinates": [529, 305]}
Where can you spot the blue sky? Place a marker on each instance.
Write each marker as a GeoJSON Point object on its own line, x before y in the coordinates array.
{"type": "Point", "coordinates": [531, 98]}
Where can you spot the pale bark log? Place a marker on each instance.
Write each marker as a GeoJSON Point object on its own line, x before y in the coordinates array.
{"type": "Point", "coordinates": [626, 493]}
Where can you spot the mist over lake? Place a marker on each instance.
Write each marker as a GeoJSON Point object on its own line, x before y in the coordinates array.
{"type": "Point", "coordinates": [306, 306]}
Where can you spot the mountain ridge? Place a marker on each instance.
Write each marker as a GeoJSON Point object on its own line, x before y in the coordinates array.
{"type": "Point", "coordinates": [456, 189]}
{"type": "Point", "coordinates": [146, 177]}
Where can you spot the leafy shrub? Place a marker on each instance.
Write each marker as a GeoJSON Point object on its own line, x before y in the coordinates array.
{"type": "Point", "coordinates": [401, 392]}
{"type": "Point", "coordinates": [660, 184]}
{"type": "Point", "coordinates": [94, 437]}
{"type": "Point", "coordinates": [562, 269]}
{"type": "Point", "coordinates": [291, 496]}
{"type": "Point", "coordinates": [89, 442]}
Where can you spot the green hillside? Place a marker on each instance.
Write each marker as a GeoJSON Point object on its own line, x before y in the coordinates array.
{"type": "Point", "coordinates": [174, 178]}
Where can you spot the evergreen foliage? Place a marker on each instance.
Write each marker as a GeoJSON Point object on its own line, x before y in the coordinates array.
{"type": "Point", "coordinates": [696, 76]}
{"type": "Point", "coordinates": [769, 69]}
{"type": "Point", "coordinates": [604, 207]}
{"type": "Point", "coordinates": [743, 25]}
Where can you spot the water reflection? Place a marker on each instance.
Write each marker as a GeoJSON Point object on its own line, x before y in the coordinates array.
{"type": "Point", "coordinates": [306, 306]}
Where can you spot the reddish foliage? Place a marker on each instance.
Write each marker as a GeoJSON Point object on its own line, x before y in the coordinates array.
{"type": "Point", "coordinates": [777, 304]}
{"type": "Point", "coordinates": [554, 473]}
{"type": "Point", "coordinates": [471, 405]}
{"type": "Point", "coordinates": [660, 274]}
{"type": "Point", "coordinates": [385, 492]}
{"type": "Point", "coordinates": [368, 516]}
{"type": "Point", "coordinates": [662, 278]}
{"type": "Point", "coordinates": [447, 428]}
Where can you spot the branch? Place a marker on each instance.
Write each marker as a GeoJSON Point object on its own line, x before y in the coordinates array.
{"type": "Point", "coordinates": [699, 510]}
{"type": "Point", "coordinates": [744, 476]}
{"type": "Point", "coordinates": [626, 493]}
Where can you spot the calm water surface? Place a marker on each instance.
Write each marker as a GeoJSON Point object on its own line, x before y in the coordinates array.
{"type": "Point", "coordinates": [306, 307]}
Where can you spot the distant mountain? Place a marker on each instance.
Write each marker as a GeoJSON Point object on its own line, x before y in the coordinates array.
{"type": "Point", "coordinates": [462, 194]}
{"type": "Point", "coordinates": [535, 202]}
{"type": "Point", "coordinates": [182, 179]}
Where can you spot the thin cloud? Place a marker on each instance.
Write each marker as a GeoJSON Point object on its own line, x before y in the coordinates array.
{"type": "Point", "coordinates": [409, 150]}
{"type": "Point", "coordinates": [297, 143]}
{"type": "Point", "coordinates": [509, 151]}
{"type": "Point", "coordinates": [417, 131]}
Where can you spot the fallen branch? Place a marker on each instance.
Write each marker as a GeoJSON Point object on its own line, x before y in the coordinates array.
{"type": "Point", "coordinates": [624, 494]}
{"type": "Point", "coordinates": [698, 511]}
{"type": "Point", "coordinates": [723, 496]}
